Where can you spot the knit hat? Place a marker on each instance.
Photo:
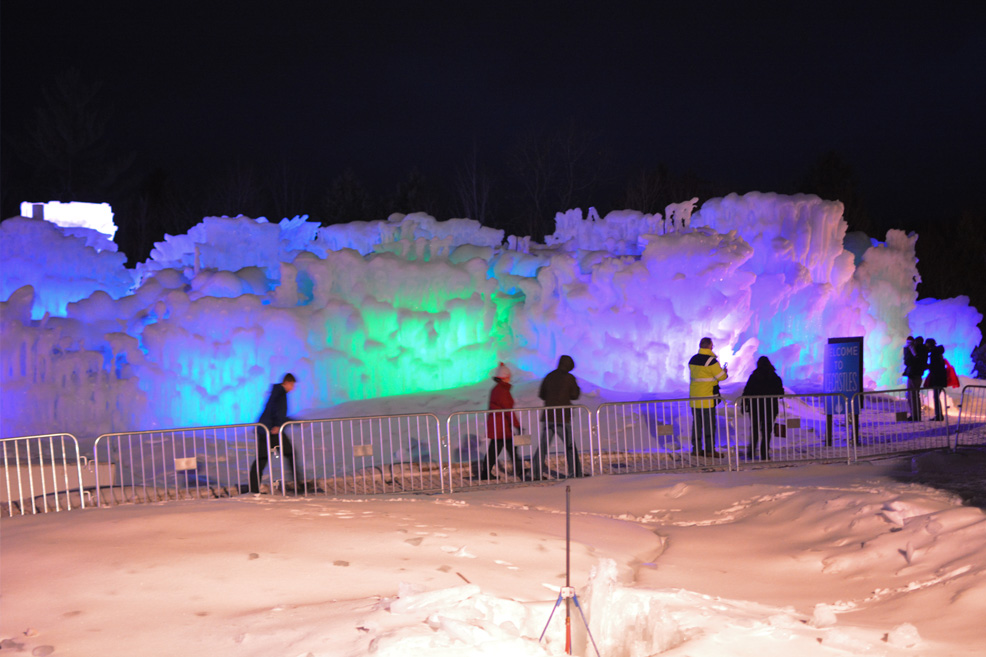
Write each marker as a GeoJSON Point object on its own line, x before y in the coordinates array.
{"type": "Point", "coordinates": [501, 372]}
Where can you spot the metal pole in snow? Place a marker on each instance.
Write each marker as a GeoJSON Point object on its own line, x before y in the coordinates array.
{"type": "Point", "coordinates": [568, 569]}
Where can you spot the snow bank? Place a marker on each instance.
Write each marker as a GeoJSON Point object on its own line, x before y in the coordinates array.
{"type": "Point", "coordinates": [811, 561]}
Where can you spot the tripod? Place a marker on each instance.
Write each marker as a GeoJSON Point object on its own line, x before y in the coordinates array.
{"type": "Point", "coordinates": [567, 592]}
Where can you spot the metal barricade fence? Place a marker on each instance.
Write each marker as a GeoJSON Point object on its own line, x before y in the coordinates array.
{"type": "Point", "coordinates": [36, 468]}
{"type": "Point", "coordinates": [896, 421]}
{"type": "Point", "coordinates": [175, 464]}
{"type": "Point", "coordinates": [792, 428]}
{"type": "Point", "coordinates": [407, 453]}
{"type": "Point", "coordinates": [556, 440]}
{"type": "Point", "coordinates": [364, 455]}
{"type": "Point", "coordinates": [656, 435]}
{"type": "Point", "coordinates": [971, 429]}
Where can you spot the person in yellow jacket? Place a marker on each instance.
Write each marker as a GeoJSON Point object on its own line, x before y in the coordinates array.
{"type": "Point", "coordinates": [703, 388]}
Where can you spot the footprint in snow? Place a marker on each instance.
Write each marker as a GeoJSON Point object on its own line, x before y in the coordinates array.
{"type": "Point", "coordinates": [458, 552]}
{"type": "Point", "coordinates": [678, 490]}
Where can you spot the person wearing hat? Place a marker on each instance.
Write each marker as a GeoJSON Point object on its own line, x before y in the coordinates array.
{"type": "Point", "coordinates": [500, 426]}
{"type": "Point", "coordinates": [915, 365]}
{"type": "Point", "coordinates": [275, 414]}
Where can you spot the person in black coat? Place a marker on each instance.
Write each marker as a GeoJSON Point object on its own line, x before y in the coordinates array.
{"type": "Point", "coordinates": [761, 402]}
{"type": "Point", "coordinates": [559, 388]}
{"type": "Point", "coordinates": [915, 364]}
{"type": "Point", "coordinates": [274, 415]}
{"type": "Point", "coordinates": [937, 379]}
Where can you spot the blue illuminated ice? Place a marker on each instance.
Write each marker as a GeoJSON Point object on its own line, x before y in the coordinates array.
{"type": "Point", "coordinates": [61, 264]}
{"type": "Point", "coordinates": [194, 335]}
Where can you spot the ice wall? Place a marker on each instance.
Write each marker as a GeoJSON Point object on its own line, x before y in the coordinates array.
{"type": "Point", "coordinates": [61, 264]}
{"type": "Point", "coordinates": [348, 327]}
{"type": "Point", "coordinates": [762, 274]}
{"type": "Point", "coordinates": [58, 375]}
{"type": "Point", "coordinates": [619, 232]}
{"type": "Point", "coordinates": [954, 318]}
{"type": "Point", "coordinates": [196, 335]}
{"type": "Point", "coordinates": [631, 324]}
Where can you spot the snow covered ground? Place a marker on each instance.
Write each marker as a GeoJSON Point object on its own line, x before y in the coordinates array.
{"type": "Point", "coordinates": [813, 560]}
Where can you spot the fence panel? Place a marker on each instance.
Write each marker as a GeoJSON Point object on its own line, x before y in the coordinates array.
{"type": "Point", "coordinates": [971, 429]}
{"type": "Point", "coordinates": [175, 464]}
{"type": "Point", "coordinates": [541, 445]}
{"type": "Point", "coordinates": [885, 424]}
{"type": "Point", "coordinates": [42, 474]}
{"type": "Point", "coordinates": [651, 436]}
{"type": "Point", "coordinates": [792, 428]}
{"type": "Point", "coordinates": [364, 455]}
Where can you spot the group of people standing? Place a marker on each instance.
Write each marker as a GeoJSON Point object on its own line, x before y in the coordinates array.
{"type": "Point", "coordinates": [560, 388]}
{"type": "Point", "coordinates": [922, 356]}
{"type": "Point", "coordinates": [760, 400]}
{"type": "Point", "coordinates": [557, 391]}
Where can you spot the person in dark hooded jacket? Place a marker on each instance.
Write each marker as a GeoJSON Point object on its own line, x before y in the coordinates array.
{"type": "Point", "coordinates": [915, 365]}
{"type": "Point", "coordinates": [937, 378]}
{"type": "Point", "coordinates": [759, 401]}
{"type": "Point", "coordinates": [559, 388]}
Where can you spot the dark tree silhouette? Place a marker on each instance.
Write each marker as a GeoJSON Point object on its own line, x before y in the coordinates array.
{"type": "Point", "coordinates": [652, 191]}
{"type": "Point", "coordinates": [348, 200]}
{"type": "Point", "coordinates": [288, 190]}
{"type": "Point", "coordinates": [420, 193]}
{"type": "Point", "coordinates": [160, 205]}
{"type": "Point", "coordinates": [237, 191]}
{"type": "Point", "coordinates": [951, 254]}
{"type": "Point", "coordinates": [68, 146]}
{"type": "Point", "coordinates": [555, 171]}
{"type": "Point", "coordinates": [473, 188]}
{"type": "Point", "coordinates": [831, 178]}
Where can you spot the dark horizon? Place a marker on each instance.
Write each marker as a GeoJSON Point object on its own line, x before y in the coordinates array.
{"type": "Point", "coordinates": [741, 100]}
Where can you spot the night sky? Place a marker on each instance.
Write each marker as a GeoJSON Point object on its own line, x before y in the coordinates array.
{"type": "Point", "coordinates": [749, 98]}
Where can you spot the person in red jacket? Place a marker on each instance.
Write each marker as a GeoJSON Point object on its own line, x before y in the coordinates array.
{"type": "Point", "coordinates": [500, 425]}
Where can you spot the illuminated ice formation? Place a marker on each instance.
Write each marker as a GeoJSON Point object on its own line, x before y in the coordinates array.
{"type": "Point", "coordinates": [195, 335]}
{"type": "Point", "coordinates": [75, 214]}
{"type": "Point", "coordinates": [61, 264]}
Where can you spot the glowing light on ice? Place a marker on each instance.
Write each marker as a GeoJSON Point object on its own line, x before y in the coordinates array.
{"type": "Point", "coordinates": [75, 214]}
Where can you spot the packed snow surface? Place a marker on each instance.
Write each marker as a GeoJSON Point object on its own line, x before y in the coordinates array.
{"type": "Point", "coordinates": [815, 560]}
